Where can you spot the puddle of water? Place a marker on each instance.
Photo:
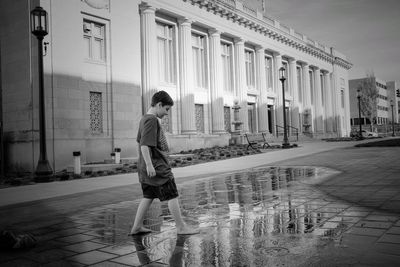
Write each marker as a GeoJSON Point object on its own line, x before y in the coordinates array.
{"type": "Point", "coordinates": [259, 217]}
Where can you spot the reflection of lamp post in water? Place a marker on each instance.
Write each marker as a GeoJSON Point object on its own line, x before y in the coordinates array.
{"type": "Point", "coordinates": [236, 122]}
{"type": "Point", "coordinates": [39, 28]}
{"type": "Point", "coordinates": [282, 75]}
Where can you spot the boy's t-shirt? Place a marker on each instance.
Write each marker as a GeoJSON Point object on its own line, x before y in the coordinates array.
{"type": "Point", "coordinates": [150, 134]}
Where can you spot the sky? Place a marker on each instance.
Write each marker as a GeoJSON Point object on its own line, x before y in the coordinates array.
{"type": "Point", "coordinates": [366, 31]}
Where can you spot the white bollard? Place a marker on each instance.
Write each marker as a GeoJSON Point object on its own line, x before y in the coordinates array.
{"type": "Point", "coordinates": [77, 162]}
{"type": "Point", "coordinates": [112, 154]}
{"type": "Point", "coordinates": [117, 155]}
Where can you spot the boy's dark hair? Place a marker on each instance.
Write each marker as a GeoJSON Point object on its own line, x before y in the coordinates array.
{"type": "Point", "coordinates": [163, 97]}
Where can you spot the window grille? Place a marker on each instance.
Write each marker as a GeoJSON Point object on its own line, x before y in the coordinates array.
{"type": "Point", "coordinates": [166, 122]}
{"type": "Point", "coordinates": [199, 110]}
{"type": "Point", "coordinates": [96, 113]}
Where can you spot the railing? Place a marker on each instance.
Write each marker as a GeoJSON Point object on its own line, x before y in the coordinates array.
{"type": "Point", "coordinates": [294, 132]}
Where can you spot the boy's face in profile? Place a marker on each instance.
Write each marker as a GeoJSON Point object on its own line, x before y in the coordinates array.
{"type": "Point", "coordinates": [162, 110]}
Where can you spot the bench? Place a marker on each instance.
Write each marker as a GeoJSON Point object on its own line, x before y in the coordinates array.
{"type": "Point", "coordinates": [256, 139]}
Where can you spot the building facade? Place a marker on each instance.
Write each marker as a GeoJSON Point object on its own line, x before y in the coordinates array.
{"type": "Point", "coordinates": [105, 58]}
{"type": "Point", "coordinates": [387, 96]}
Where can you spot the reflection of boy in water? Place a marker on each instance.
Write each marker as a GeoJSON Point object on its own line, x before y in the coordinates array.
{"type": "Point", "coordinates": [155, 174]}
{"type": "Point", "coordinates": [176, 259]}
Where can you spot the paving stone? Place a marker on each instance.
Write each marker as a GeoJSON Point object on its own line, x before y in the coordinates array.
{"type": "Point", "coordinates": [374, 224]}
{"type": "Point", "coordinates": [83, 247]}
{"type": "Point", "coordinates": [119, 250]}
{"type": "Point", "coordinates": [388, 248]}
{"type": "Point", "coordinates": [382, 218]}
{"type": "Point", "coordinates": [394, 230]}
{"type": "Point", "coordinates": [91, 257]}
{"type": "Point", "coordinates": [366, 231]}
{"type": "Point", "coordinates": [48, 255]}
{"type": "Point", "coordinates": [76, 238]}
{"type": "Point", "coordinates": [389, 238]}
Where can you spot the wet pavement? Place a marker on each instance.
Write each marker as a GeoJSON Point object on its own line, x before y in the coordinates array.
{"type": "Point", "coordinates": [334, 208]}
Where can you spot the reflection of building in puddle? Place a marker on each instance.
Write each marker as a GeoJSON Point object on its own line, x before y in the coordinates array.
{"type": "Point", "coordinates": [237, 213]}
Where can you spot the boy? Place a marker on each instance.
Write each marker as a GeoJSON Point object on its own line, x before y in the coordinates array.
{"type": "Point", "coordinates": [155, 174]}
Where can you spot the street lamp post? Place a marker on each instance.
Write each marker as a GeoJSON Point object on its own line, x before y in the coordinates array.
{"type": "Point", "coordinates": [282, 75]}
{"type": "Point", "coordinates": [391, 104]}
{"type": "Point", "coordinates": [39, 28]}
{"type": "Point", "coordinates": [360, 137]}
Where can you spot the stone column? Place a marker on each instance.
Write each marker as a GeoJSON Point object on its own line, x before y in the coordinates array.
{"type": "Point", "coordinates": [328, 103]}
{"type": "Point", "coordinates": [278, 90]}
{"type": "Point", "coordinates": [149, 52]}
{"type": "Point", "coordinates": [216, 90]}
{"type": "Point", "coordinates": [307, 110]}
{"type": "Point", "coordinates": [262, 88]}
{"type": "Point", "coordinates": [294, 122]}
{"type": "Point", "coordinates": [318, 101]}
{"type": "Point", "coordinates": [188, 125]}
{"type": "Point", "coordinates": [334, 101]}
{"type": "Point", "coordinates": [241, 88]}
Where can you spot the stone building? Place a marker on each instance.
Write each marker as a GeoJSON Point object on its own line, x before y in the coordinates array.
{"type": "Point", "coordinates": [105, 58]}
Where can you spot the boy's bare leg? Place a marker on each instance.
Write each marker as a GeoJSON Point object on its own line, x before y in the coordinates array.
{"type": "Point", "coordinates": [138, 227]}
{"type": "Point", "coordinates": [181, 226]}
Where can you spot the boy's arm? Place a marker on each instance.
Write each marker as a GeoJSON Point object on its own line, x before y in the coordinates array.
{"type": "Point", "coordinates": [149, 165]}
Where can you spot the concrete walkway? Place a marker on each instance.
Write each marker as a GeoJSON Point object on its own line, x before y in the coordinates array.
{"type": "Point", "coordinates": [21, 194]}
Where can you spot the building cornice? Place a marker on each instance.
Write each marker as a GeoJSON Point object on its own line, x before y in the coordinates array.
{"type": "Point", "coordinates": [236, 12]}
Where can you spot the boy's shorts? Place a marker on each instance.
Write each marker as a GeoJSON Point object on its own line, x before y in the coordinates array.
{"type": "Point", "coordinates": [163, 192]}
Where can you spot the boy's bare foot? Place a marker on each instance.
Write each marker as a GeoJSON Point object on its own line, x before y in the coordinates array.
{"type": "Point", "coordinates": [141, 230]}
{"type": "Point", "coordinates": [188, 231]}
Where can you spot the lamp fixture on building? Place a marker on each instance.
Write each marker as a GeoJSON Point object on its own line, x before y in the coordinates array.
{"type": "Point", "coordinates": [391, 104]}
{"type": "Point", "coordinates": [39, 28]}
{"type": "Point", "coordinates": [360, 136]}
{"type": "Point", "coordinates": [282, 78]}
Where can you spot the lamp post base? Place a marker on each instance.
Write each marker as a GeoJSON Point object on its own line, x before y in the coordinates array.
{"type": "Point", "coordinates": [43, 173]}
{"type": "Point", "coordinates": [286, 145]}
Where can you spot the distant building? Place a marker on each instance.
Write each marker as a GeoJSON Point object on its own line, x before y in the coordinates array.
{"type": "Point", "coordinates": [386, 93]}
{"type": "Point", "coordinates": [105, 58]}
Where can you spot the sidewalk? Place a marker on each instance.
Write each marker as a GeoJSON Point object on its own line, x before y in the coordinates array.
{"type": "Point", "coordinates": [21, 194]}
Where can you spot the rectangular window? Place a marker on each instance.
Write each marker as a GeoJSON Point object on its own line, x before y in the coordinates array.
{"type": "Point", "coordinates": [199, 61]}
{"type": "Point", "coordinates": [227, 119]}
{"type": "Point", "coordinates": [226, 57]}
{"type": "Point", "coordinates": [96, 113]}
{"type": "Point", "coordinates": [166, 53]}
{"type": "Point", "coordinates": [268, 72]}
{"type": "Point", "coordinates": [199, 111]}
{"type": "Point", "coordinates": [312, 87]}
{"type": "Point", "coordinates": [250, 70]}
{"type": "Point", "coordinates": [299, 83]}
{"type": "Point", "coordinates": [286, 66]}
{"type": "Point", "coordinates": [94, 40]}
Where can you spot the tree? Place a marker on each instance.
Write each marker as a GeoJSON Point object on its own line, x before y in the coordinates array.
{"type": "Point", "coordinates": [369, 98]}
